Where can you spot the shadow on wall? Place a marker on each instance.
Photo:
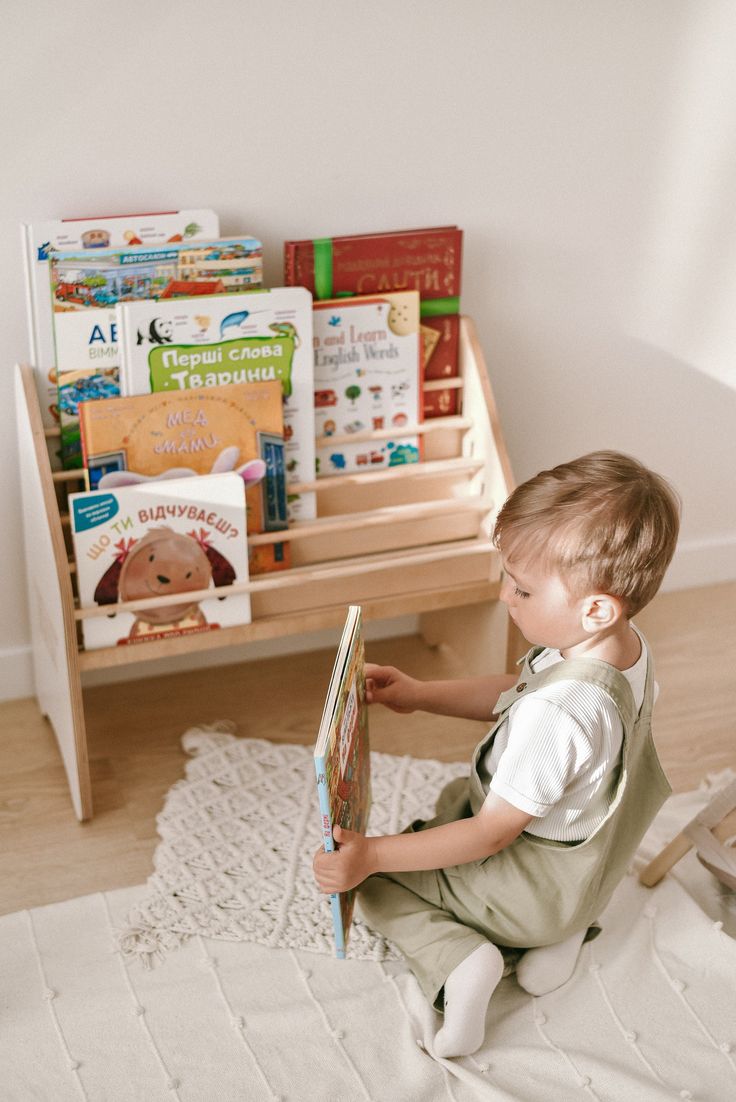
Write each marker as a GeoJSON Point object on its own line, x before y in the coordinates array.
{"type": "Point", "coordinates": [564, 390]}
{"type": "Point", "coordinates": [682, 294]}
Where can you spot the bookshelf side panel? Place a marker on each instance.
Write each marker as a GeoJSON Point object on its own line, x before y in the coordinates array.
{"type": "Point", "coordinates": [53, 631]}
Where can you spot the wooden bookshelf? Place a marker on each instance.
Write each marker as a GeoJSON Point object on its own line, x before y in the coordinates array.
{"type": "Point", "coordinates": [408, 540]}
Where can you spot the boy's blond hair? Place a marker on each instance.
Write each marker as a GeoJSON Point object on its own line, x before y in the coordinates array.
{"type": "Point", "coordinates": [603, 522]}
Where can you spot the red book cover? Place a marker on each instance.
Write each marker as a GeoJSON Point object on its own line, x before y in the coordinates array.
{"type": "Point", "coordinates": [426, 260]}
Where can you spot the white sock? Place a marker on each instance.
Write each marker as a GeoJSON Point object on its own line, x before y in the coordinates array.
{"type": "Point", "coordinates": [545, 969]}
{"type": "Point", "coordinates": [468, 991]}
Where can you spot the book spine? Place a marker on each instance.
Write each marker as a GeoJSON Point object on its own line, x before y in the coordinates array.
{"type": "Point", "coordinates": [126, 345]}
{"type": "Point", "coordinates": [329, 845]}
{"type": "Point", "coordinates": [289, 273]}
{"type": "Point", "coordinates": [299, 266]}
{"type": "Point", "coordinates": [85, 455]}
{"type": "Point", "coordinates": [31, 304]}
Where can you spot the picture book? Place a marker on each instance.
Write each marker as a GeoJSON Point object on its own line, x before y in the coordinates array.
{"type": "Point", "coordinates": [428, 260]}
{"type": "Point", "coordinates": [183, 537]}
{"type": "Point", "coordinates": [367, 378]}
{"type": "Point", "coordinates": [174, 346]}
{"type": "Point", "coordinates": [153, 436]}
{"type": "Point", "coordinates": [86, 286]}
{"type": "Point", "coordinates": [41, 238]}
{"type": "Point", "coordinates": [74, 387]}
{"type": "Point", "coordinates": [342, 759]}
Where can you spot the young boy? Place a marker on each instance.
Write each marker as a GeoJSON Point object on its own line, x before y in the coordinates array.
{"type": "Point", "coordinates": [527, 852]}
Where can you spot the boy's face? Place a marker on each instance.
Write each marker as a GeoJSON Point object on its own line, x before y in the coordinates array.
{"type": "Point", "coordinates": [541, 607]}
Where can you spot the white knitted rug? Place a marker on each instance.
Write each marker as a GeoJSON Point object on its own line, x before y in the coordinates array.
{"type": "Point", "coordinates": [237, 841]}
{"type": "Point", "coordinates": [648, 1015]}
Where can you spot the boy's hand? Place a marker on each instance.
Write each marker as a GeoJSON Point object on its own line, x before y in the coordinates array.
{"type": "Point", "coordinates": [389, 686]}
{"type": "Point", "coordinates": [348, 866]}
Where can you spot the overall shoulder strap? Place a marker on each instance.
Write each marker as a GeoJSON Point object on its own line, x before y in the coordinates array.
{"type": "Point", "coordinates": [509, 696]}
{"type": "Point", "coordinates": [648, 702]}
{"type": "Point", "coordinates": [594, 672]}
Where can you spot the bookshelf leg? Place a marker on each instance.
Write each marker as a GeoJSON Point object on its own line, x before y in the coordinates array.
{"type": "Point", "coordinates": [59, 695]}
{"type": "Point", "coordinates": [477, 634]}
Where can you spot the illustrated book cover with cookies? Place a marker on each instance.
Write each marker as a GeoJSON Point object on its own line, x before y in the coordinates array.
{"type": "Point", "coordinates": [170, 347]}
{"type": "Point", "coordinates": [87, 285]}
{"type": "Point", "coordinates": [40, 239]}
{"type": "Point", "coordinates": [342, 759]}
{"type": "Point", "coordinates": [367, 382]}
{"type": "Point", "coordinates": [428, 260]}
{"type": "Point", "coordinates": [179, 540]}
{"type": "Point", "coordinates": [209, 431]}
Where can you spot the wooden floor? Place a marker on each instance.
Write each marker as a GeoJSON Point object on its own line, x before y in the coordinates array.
{"type": "Point", "coordinates": [134, 730]}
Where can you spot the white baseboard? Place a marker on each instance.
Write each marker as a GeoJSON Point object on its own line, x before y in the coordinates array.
{"type": "Point", "coordinates": [16, 673]}
{"type": "Point", "coordinates": [702, 562]}
{"type": "Point", "coordinates": [696, 563]}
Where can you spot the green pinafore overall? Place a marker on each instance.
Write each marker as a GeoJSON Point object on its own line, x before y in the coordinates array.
{"type": "Point", "coordinates": [535, 891]}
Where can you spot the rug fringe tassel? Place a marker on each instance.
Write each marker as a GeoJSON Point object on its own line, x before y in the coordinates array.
{"type": "Point", "coordinates": [147, 944]}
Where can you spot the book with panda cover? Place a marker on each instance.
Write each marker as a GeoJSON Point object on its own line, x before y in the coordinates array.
{"type": "Point", "coordinates": [179, 540]}
{"type": "Point", "coordinates": [194, 344]}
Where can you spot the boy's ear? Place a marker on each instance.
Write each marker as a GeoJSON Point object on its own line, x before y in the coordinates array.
{"type": "Point", "coordinates": [601, 611]}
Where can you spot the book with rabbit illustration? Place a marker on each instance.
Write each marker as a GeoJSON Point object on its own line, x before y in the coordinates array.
{"type": "Point", "coordinates": [149, 437]}
{"type": "Point", "coordinates": [180, 539]}
{"type": "Point", "coordinates": [194, 343]}
{"type": "Point", "coordinates": [342, 759]}
{"type": "Point", "coordinates": [367, 382]}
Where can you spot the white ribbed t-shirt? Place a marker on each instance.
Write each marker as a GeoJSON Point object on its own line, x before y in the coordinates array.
{"type": "Point", "coordinates": [557, 754]}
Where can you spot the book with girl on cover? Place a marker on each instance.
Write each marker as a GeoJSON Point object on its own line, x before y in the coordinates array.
{"type": "Point", "coordinates": [428, 260]}
{"type": "Point", "coordinates": [175, 539]}
{"type": "Point", "coordinates": [43, 237]}
{"type": "Point", "coordinates": [367, 380]}
{"type": "Point", "coordinates": [176, 434]}
{"type": "Point", "coordinates": [342, 759]}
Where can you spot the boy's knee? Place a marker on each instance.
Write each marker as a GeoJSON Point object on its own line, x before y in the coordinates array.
{"type": "Point", "coordinates": [371, 900]}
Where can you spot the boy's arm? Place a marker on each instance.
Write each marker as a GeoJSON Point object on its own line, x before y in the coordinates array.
{"type": "Point", "coordinates": [495, 826]}
{"type": "Point", "coordinates": [464, 698]}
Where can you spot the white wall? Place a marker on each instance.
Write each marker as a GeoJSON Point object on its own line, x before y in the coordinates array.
{"type": "Point", "coordinates": [585, 146]}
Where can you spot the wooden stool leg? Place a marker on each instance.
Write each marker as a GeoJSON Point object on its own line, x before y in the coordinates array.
{"type": "Point", "coordinates": [710, 832]}
{"type": "Point", "coordinates": [663, 862]}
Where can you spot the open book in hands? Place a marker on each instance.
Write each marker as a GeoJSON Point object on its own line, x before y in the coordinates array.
{"type": "Point", "coordinates": [342, 759]}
